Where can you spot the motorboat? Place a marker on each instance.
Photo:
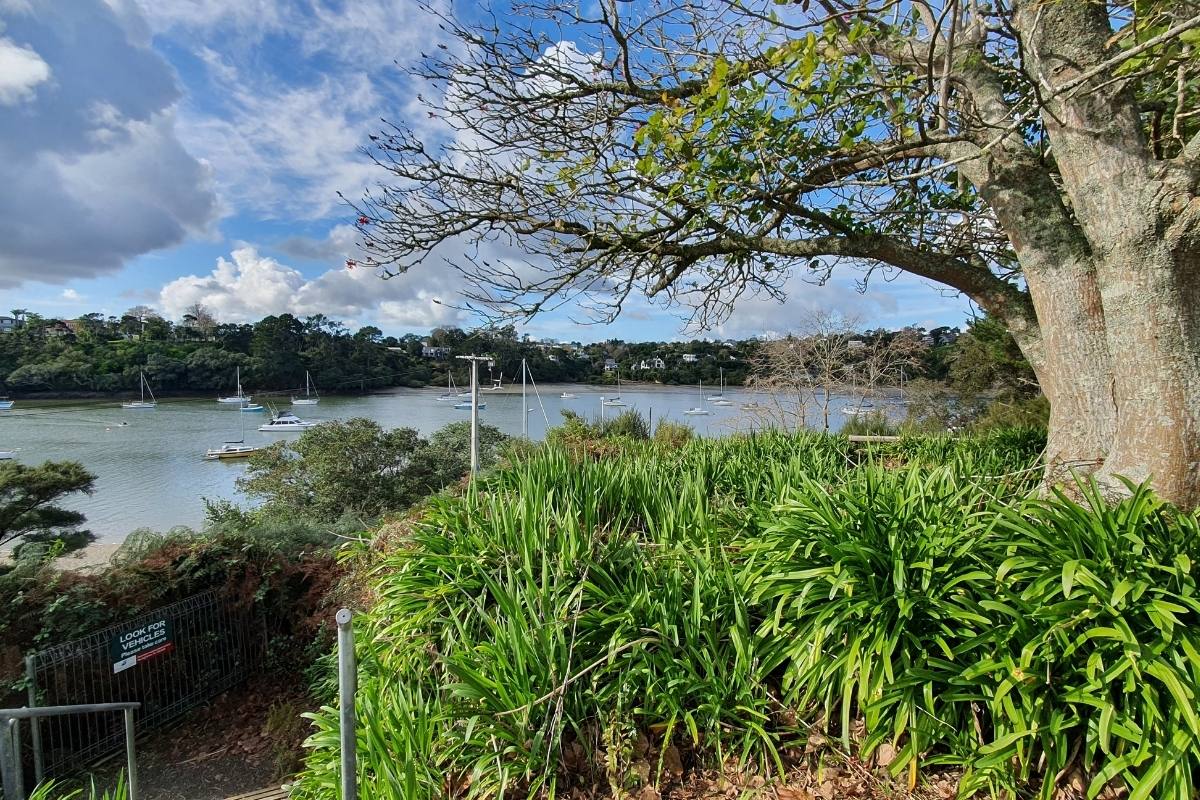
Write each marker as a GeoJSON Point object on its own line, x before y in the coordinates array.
{"type": "Point", "coordinates": [752, 406]}
{"type": "Point", "coordinates": [466, 404]}
{"type": "Point", "coordinates": [239, 398]}
{"type": "Point", "coordinates": [6, 404]}
{"type": "Point", "coordinates": [311, 398]}
{"type": "Point", "coordinates": [7, 455]}
{"type": "Point", "coordinates": [230, 450]}
{"type": "Point", "coordinates": [143, 403]}
{"type": "Point", "coordinates": [253, 407]}
{"type": "Point", "coordinates": [286, 421]}
{"type": "Point", "coordinates": [567, 396]}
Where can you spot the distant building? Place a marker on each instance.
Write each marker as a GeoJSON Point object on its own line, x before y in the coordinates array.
{"type": "Point", "coordinates": [651, 363]}
{"type": "Point", "coordinates": [856, 344]}
{"type": "Point", "coordinates": [57, 328]}
{"type": "Point", "coordinates": [430, 351]}
{"type": "Point", "coordinates": [8, 324]}
{"type": "Point", "coordinates": [610, 364]}
{"type": "Point", "coordinates": [690, 358]}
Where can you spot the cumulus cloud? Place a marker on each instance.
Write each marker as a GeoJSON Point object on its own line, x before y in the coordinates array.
{"type": "Point", "coordinates": [92, 167]}
{"type": "Point", "coordinates": [21, 69]}
{"type": "Point", "coordinates": [249, 285]}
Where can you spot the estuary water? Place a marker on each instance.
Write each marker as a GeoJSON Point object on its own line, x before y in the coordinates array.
{"type": "Point", "coordinates": [149, 463]}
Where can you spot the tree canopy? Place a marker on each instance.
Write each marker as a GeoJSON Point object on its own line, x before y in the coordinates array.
{"type": "Point", "coordinates": [1042, 158]}
{"type": "Point", "coordinates": [28, 497]}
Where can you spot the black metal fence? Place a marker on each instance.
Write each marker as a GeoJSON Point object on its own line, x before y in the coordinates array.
{"type": "Point", "coordinates": [170, 660]}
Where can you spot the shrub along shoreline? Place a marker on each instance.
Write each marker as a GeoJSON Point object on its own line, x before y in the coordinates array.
{"type": "Point", "coordinates": [603, 613]}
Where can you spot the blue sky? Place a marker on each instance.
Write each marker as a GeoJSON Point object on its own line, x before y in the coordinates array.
{"type": "Point", "coordinates": [165, 152]}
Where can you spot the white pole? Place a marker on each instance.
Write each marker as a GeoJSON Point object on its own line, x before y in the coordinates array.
{"type": "Point", "coordinates": [524, 406]}
{"type": "Point", "coordinates": [474, 416]}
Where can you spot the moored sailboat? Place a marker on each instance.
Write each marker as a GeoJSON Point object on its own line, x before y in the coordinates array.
{"type": "Point", "coordinates": [719, 398]}
{"type": "Point", "coordinates": [700, 410]}
{"type": "Point", "coordinates": [231, 450]}
{"type": "Point", "coordinates": [238, 398]}
{"type": "Point", "coordinates": [311, 398]}
{"type": "Point", "coordinates": [615, 401]}
{"type": "Point", "coordinates": [144, 386]}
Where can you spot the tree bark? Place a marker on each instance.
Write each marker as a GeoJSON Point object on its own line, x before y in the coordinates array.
{"type": "Point", "coordinates": [1142, 232]}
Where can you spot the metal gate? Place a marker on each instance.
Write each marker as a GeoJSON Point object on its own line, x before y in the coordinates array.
{"type": "Point", "coordinates": [170, 660]}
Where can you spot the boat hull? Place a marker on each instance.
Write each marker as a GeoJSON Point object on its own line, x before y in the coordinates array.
{"type": "Point", "coordinates": [224, 455]}
{"type": "Point", "coordinates": [300, 401]}
{"type": "Point", "coordinates": [5, 405]}
{"type": "Point", "coordinates": [139, 405]}
{"type": "Point", "coordinates": [238, 400]}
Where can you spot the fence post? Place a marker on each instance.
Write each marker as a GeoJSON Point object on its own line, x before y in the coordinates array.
{"type": "Point", "coordinates": [35, 724]}
{"type": "Point", "coordinates": [347, 687]}
{"type": "Point", "coordinates": [10, 761]}
{"type": "Point", "coordinates": [130, 756]}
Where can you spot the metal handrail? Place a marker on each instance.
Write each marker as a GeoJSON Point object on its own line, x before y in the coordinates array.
{"type": "Point", "coordinates": [10, 742]}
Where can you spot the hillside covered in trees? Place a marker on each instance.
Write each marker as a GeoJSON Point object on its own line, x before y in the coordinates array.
{"type": "Point", "coordinates": [94, 354]}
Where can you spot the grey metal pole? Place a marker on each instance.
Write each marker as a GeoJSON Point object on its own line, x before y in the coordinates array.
{"type": "Point", "coordinates": [347, 688]}
{"type": "Point", "coordinates": [131, 773]}
{"type": "Point", "coordinates": [524, 405]}
{"type": "Point", "coordinates": [35, 724]}
{"type": "Point", "coordinates": [9, 760]}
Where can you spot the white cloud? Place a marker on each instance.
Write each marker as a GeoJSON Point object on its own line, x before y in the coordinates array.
{"type": "Point", "coordinates": [284, 135]}
{"type": "Point", "coordinates": [21, 69]}
{"type": "Point", "coordinates": [250, 285]}
{"type": "Point", "coordinates": [92, 168]}
{"type": "Point", "coordinates": [71, 296]}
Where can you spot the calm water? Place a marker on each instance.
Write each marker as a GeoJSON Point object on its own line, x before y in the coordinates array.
{"type": "Point", "coordinates": [150, 471]}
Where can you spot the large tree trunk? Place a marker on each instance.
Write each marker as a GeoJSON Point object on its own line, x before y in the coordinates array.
{"type": "Point", "coordinates": [1143, 241]}
{"type": "Point", "coordinates": [1151, 291]}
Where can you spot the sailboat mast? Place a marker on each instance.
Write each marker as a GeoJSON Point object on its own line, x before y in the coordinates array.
{"type": "Point", "coordinates": [524, 405]}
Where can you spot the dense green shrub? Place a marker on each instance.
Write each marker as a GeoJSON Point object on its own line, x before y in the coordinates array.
{"type": "Point", "coordinates": [579, 618]}
{"type": "Point", "coordinates": [870, 595]}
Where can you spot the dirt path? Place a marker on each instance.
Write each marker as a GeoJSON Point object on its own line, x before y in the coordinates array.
{"type": "Point", "coordinates": [247, 739]}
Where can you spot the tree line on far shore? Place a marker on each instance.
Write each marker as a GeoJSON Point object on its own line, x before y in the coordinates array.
{"type": "Point", "coordinates": [198, 354]}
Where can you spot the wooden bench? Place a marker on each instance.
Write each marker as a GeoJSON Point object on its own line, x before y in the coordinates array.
{"type": "Point", "coordinates": [276, 793]}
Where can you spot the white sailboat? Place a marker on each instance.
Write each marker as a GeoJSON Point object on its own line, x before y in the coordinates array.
{"type": "Point", "coordinates": [238, 398]}
{"type": "Point", "coordinates": [6, 404]}
{"type": "Point", "coordinates": [309, 391]}
{"type": "Point", "coordinates": [527, 375]}
{"type": "Point", "coordinates": [142, 403]}
{"type": "Point", "coordinates": [615, 401]}
{"type": "Point", "coordinates": [567, 396]}
{"type": "Point", "coordinates": [699, 410]}
{"type": "Point", "coordinates": [451, 389]}
{"type": "Point", "coordinates": [230, 450]}
{"type": "Point", "coordinates": [285, 421]}
{"type": "Point", "coordinates": [7, 455]}
{"type": "Point", "coordinates": [466, 404]}
{"type": "Point", "coordinates": [719, 398]}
